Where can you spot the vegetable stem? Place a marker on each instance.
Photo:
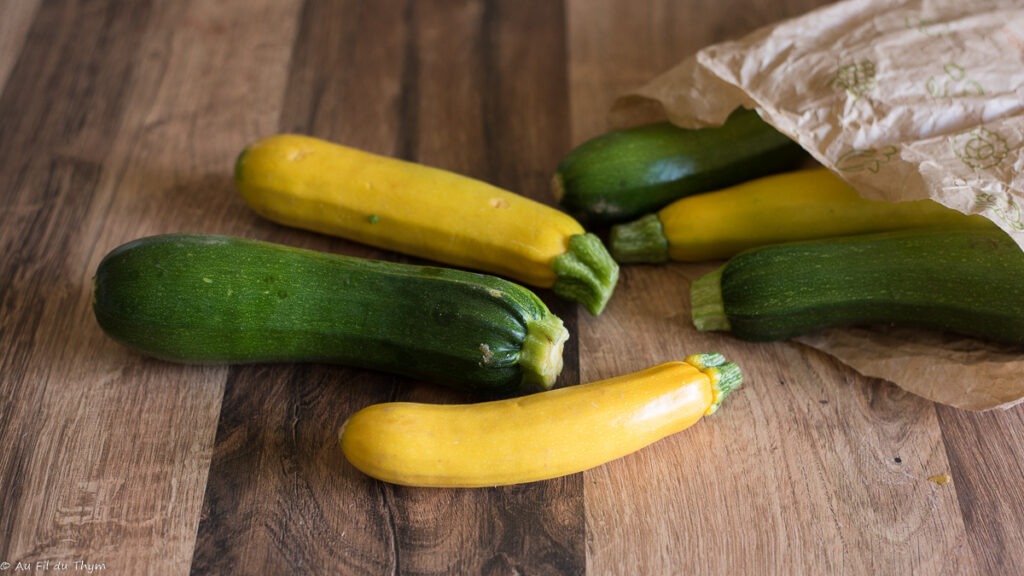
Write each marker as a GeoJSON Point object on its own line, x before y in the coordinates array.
{"type": "Point", "coordinates": [586, 273]}
{"type": "Point", "coordinates": [541, 357]}
{"type": "Point", "coordinates": [725, 376]}
{"type": "Point", "coordinates": [640, 241]}
{"type": "Point", "coordinates": [707, 306]}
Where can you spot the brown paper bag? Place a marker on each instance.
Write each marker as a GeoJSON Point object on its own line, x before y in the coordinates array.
{"type": "Point", "coordinates": [905, 99]}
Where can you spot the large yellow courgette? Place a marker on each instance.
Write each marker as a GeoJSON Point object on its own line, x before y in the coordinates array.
{"type": "Point", "coordinates": [801, 205]}
{"type": "Point", "coordinates": [426, 212]}
{"type": "Point", "coordinates": [536, 437]}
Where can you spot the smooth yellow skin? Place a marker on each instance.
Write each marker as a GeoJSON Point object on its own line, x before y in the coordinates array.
{"type": "Point", "coordinates": [403, 206]}
{"type": "Point", "coordinates": [793, 206]}
{"type": "Point", "coordinates": [536, 437]}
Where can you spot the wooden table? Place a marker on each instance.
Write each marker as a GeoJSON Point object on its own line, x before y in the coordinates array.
{"type": "Point", "coordinates": [122, 119]}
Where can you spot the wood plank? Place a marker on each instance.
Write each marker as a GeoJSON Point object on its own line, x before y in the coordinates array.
{"type": "Point", "coordinates": [49, 187]}
{"type": "Point", "coordinates": [618, 46]}
{"type": "Point", "coordinates": [485, 77]}
{"type": "Point", "coordinates": [15, 20]}
{"type": "Point", "coordinates": [125, 123]}
{"type": "Point", "coordinates": [195, 105]}
{"type": "Point", "coordinates": [985, 460]}
{"type": "Point", "coordinates": [274, 419]}
{"type": "Point", "coordinates": [275, 502]}
{"type": "Point", "coordinates": [473, 87]}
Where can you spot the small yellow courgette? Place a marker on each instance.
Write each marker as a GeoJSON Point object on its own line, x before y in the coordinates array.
{"type": "Point", "coordinates": [800, 205]}
{"type": "Point", "coordinates": [536, 437]}
{"type": "Point", "coordinates": [423, 211]}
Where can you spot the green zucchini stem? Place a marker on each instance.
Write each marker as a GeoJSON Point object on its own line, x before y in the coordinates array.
{"type": "Point", "coordinates": [641, 241]}
{"type": "Point", "coordinates": [707, 307]}
{"type": "Point", "coordinates": [541, 356]}
{"type": "Point", "coordinates": [725, 376]}
{"type": "Point", "coordinates": [586, 273]}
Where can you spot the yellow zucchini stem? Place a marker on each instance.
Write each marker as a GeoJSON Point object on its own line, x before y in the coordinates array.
{"type": "Point", "coordinates": [725, 376]}
{"type": "Point", "coordinates": [707, 306]}
{"type": "Point", "coordinates": [586, 273]}
{"type": "Point", "coordinates": [641, 241]}
{"type": "Point", "coordinates": [541, 356]}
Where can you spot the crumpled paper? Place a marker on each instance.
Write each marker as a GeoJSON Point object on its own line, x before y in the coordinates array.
{"type": "Point", "coordinates": [905, 99]}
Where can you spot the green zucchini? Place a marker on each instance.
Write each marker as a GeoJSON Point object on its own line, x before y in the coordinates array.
{"type": "Point", "coordinates": [219, 299]}
{"type": "Point", "coordinates": [624, 174]}
{"type": "Point", "coordinates": [966, 281]}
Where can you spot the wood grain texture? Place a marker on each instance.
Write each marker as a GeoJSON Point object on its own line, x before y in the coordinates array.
{"type": "Point", "coordinates": [113, 115]}
{"type": "Point", "coordinates": [119, 120]}
{"type": "Point", "coordinates": [56, 128]}
{"type": "Point", "coordinates": [15, 20]}
{"type": "Point", "coordinates": [986, 452]}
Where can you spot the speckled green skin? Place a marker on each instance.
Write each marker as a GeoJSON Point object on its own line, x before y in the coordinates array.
{"type": "Point", "coordinates": [217, 299]}
{"type": "Point", "coordinates": [624, 174]}
{"type": "Point", "coordinates": [965, 281]}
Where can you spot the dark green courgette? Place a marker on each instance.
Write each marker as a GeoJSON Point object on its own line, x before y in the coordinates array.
{"type": "Point", "coordinates": [966, 281]}
{"type": "Point", "coordinates": [625, 174]}
{"type": "Point", "coordinates": [217, 299]}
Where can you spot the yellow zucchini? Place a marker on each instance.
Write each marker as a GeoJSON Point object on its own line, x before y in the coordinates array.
{"type": "Point", "coordinates": [801, 205]}
{"type": "Point", "coordinates": [423, 211]}
{"type": "Point", "coordinates": [537, 437]}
